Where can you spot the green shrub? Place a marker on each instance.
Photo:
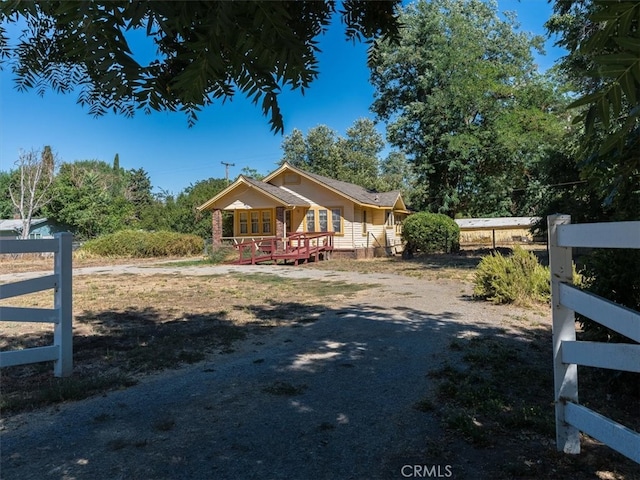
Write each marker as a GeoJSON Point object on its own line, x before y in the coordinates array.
{"type": "Point", "coordinates": [518, 278]}
{"type": "Point", "coordinates": [137, 243]}
{"type": "Point", "coordinates": [430, 233]}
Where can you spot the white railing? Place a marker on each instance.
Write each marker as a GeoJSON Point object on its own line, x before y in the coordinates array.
{"type": "Point", "coordinates": [60, 315]}
{"type": "Point", "coordinates": [571, 417]}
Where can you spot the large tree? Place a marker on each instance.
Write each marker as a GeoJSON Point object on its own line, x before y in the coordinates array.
{"type": "Point", "coordinates": [206, 50]}
{"type": "Point", "coordinates": [86, 199]}
{"type": "Point", "coordinates": [604, 66]}
{"type": "Point", "coordinates": [603, 62]}
{"type": "Point", "coordinates": [462, 98]}
{"type": "Point", "coordinates": [359, 153]}
{"type": "Point", "coordinates": [354, 158]}
{"type": "Point", "coordinates": [138, 191]}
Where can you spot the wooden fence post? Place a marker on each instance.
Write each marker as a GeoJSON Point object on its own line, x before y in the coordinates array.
{"type": "Point", "coordinates": [63, 329]}
{"type": "Point", "coordinates": [565, 376]}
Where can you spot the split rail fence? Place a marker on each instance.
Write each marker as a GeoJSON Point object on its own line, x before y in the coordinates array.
{"type": "Point", "coordinates": [571, 417]}
{"type": "Point", "coordinates": [61, 352]}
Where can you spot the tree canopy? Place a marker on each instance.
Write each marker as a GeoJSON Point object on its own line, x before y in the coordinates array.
{"type": "Point", "coordinates": [206, 50]}
{"type": "Point", "coordinates": [354, 158]}
{"type": "Point", "coordinates": [603, 65]}
{"type": "Point", "coordinates": [89, 198]}
{"type": "Point", "coordinates": [604, 61]}
{"type": "Point", "coordinates": [462, 98]}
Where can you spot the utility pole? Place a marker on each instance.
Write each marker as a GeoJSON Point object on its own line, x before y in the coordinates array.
{"type": "Point", "coordinates": [226, 170]}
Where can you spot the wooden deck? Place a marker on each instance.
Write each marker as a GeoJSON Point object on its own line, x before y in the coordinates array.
{"type": "Point", "coordinates": [296, 248]}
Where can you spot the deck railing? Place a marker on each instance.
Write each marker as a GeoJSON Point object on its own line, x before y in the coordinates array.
{"type": "Point", "coordinates": [305, 241]}
{"type": "Point", "coordinates": [571, 417]}
{"type": "Point", "coordinates": [60, 315]}
{"type": "Point", "coordinates": [295, 246]}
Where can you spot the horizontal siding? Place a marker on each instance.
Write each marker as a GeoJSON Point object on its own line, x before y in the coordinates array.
{"type": "Point", "coordinates": [317, 197]}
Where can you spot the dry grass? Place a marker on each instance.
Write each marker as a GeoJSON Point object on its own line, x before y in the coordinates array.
{"type": "Point", "coordinates": [458, 266]}
{"type": "Point", "coordinates": [30, 262]}
{"type": "Point", "coordinates": [125, 326]}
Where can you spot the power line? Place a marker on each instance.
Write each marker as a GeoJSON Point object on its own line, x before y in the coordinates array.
{"type": "Point", "coordinates": [578, 182]}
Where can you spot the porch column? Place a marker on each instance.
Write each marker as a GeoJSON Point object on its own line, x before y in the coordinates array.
{"type": "Point", "coordinates": [280, 232]}
{"type": "Point", "coordinates": [216, 227]}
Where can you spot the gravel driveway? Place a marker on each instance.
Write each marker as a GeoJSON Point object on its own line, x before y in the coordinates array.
{"type": "Point", "coordinates": [329, 399]}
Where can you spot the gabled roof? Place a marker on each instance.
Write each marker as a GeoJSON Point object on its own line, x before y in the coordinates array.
{"type": "Point", "coordinates": [354, 192]}
{"type": "Point", "coordinates": [279, 195]}
{"type": "Point", "coordinates": [285, 197]}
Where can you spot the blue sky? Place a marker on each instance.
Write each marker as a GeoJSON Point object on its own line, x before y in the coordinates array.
{"type": "Point", "coordinates": [175, 155]}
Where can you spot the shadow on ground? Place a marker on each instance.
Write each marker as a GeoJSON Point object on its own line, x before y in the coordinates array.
{"type": "Point", "coordinates": [355, 392]}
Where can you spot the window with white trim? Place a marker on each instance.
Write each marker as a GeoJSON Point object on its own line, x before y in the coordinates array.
{"type": "Point", "coordinates": [336, 219]}
{"type": "Point", "coordinates": [324, 220]}
{"type": "Point", "coordinates": [311, 220]}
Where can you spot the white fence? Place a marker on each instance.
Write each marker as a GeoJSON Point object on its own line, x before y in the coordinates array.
{"type": "Point", "coordinates": [571, 417]}
{"type": "Point", "coordinates": [60, 315]}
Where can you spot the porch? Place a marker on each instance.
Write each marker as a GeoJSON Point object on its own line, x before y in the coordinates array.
{"type": "Point", "coordinates": [295, 248]}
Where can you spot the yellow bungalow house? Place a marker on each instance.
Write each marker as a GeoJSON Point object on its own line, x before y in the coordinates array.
{"type": "Point", "coordinates": [291, 201]}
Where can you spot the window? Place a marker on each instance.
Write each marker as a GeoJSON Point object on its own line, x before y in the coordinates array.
{"type": "Point", "coordinates": [311, 221]}
{"type": "Point", "coordinates": [266, 221]}
{"type": "Point", "coordinates": [336, 220]}
{"type": "Point", "coordinates": [364, 222]}
{"type": "Point", "coordinates": [323, 220]}
{"type": "Point", "coordinates": [244, 220]}
{"type": "Point", "coordinates": [255, 223]}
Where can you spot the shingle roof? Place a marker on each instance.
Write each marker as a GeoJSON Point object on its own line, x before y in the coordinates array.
{"type": "Point", "coordinates": [356, 192]}
{"type": "Point", "coordinates": [282, 195]}
{"type": "Point", "coordinates": [287, 197]}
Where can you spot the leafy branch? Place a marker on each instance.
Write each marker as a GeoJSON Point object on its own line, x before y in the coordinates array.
{"type": "Point", "coordinates": [615, 49]}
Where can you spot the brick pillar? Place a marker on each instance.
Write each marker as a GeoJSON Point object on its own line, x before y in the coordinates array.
{"type": "Point", "coordinates": [216, 226]}
{"type": "Point", "coordinates": [280, 232]}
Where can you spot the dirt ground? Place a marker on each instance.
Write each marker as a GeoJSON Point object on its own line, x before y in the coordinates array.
{"type": "Point", "coordinates": [320, 386]}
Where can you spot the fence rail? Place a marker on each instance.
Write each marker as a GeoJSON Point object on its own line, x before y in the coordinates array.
{"type": "Point", "coordinates": [60, 315]}
{"type": "Point", "coordinates": [571, 417]}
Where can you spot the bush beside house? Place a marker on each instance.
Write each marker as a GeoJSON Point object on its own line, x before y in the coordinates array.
{"type": "Point", "coordinates": [137, 243]}
{"type": "Point", "coordinates": [430, 233]}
